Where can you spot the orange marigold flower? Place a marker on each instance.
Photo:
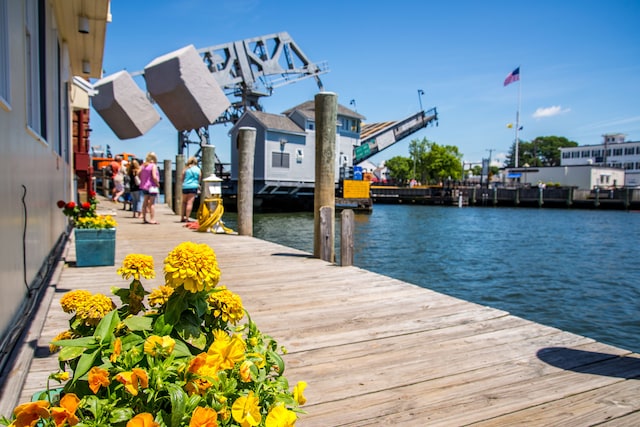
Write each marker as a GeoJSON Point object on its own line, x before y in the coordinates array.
{"type": "Point", "coordinates": [132, 380]}
{"type": "Point", "coordinates": [245, 371]}
{"type": "Point", "coordinates": [66, 412]}
{"type": "Point", "coordinates": [98, 377]}
{"type": "Point", "coordinates": [117, 350]}
{"type": "Point", "coordinates": [204, 417]}
{"type": "Point", "coordinates": [28, 414]}
{"type": "Point", "coordinates": [144, 419]}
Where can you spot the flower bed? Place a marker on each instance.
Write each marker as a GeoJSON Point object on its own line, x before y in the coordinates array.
{"type": "Point", "coordinates": [186, 360]}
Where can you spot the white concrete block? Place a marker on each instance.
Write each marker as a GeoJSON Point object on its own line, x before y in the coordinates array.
{"type": "Point", "coordinates": [124, 106]}
{"type": "Point", "coordinates": [185, 90]}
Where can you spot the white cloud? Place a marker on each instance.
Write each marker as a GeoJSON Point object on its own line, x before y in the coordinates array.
{"type": "Point", "coordinates": [550, 111]}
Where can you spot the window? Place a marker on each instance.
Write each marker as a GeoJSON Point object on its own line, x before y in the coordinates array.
{"type": "Point", "coordinates": [586, 153]}
{"type": "Point", "coordinates": [5, 82]}
{"type": "Point", "coordinates": [36, 67]}
{"type": "Point", "coordinates": [566, 155]}
{"type": "Point", "coordinates": [629, 150]}
{"type": "Point", "coordinates": [617, 151]}
{"type": "Point", "coordinates": [279, 159]}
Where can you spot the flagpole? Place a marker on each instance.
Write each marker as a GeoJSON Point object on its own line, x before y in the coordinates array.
{"type": "Point", "coordinates": [518, 116]}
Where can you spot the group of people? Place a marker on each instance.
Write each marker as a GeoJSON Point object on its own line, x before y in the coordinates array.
{"type": "Point", "coordinates": [138, 184]}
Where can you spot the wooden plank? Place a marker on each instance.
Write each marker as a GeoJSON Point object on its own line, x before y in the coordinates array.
{"type": "Point", "coordinates": [378, 351]}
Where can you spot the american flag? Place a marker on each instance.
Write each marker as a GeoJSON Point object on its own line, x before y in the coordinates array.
{"type": "Point", "coordinates": [513, 76]}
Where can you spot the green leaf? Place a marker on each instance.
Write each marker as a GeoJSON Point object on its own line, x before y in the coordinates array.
{"type": "Point", "coordinates": [181, 350]}
{"type": "Point", "coordinates": [120, 415]}
{"type": "Point", "coordinates": [70, 353]}
{"type": "Point", "coordinates": [88, 342]}
{"type": "Point", "coordinates": [139, 323]}
{"type": "Point", "coordinates": [104, 330]}
{"type": "Point", "coordinates": [178, 403]}
{"type": "Point", "coordinates": [161, 328]}
{"type": "Point", "coordinates": [176, 305]}
{"type": "Point", "coordinates": [275, 359]}
{"type": "Point", "coordinates": [84, 364]}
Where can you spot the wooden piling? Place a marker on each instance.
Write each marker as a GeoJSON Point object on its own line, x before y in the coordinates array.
{"type": "Point", "coordinates": [326, 107]}
{"type": "Point", "coordinates": [246, 154]}
{"type": "Point", "coordinates": [178, 196]}
{"type": "Point", "coordinates": [347, 224]}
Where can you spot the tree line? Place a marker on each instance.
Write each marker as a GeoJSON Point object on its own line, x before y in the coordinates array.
{"type": "Point", "coordinates": [431, 163]}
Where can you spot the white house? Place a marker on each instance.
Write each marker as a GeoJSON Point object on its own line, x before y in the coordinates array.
{"type": "Point", "coordinates": [584, 177]}
{"type": "Point", "coordinates": [614, 152]}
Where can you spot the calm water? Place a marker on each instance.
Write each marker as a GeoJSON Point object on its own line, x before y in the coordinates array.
{"type": "Point", "coordinates": [577, 270]}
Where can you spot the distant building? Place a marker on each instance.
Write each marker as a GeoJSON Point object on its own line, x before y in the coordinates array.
{"type": "Point", "coordinates": [614, 152]}
{"type": "Point", "coordinates": [585, 177]}
{"type": "Point", "coordinates": [285, 147]}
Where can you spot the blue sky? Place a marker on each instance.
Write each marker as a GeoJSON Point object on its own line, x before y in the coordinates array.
{"type": "Point", "coordinates": [579, 64]}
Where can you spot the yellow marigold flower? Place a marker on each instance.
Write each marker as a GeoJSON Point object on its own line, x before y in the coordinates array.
{"type": "Point", "coordinates": [60, 376]}
{"type": "Point", "coordinates": [159, 346]}
{"type": "Point", "coordinates": [28, 414]}
{"type": "Point", "coordinates": [117, 350]}
{"type": "Point", "coordinates": [66, 335]}
{"type": "Point", "coordinates": [204, 417]}
{"type": "Point", "coordinates": [297, 392]}
{"type": "Point", "coordinates": [160, 295]}
{"type": "Point", "coordinates": [226, 350]}
{"type": "Point", "coordinates": [262, 360]}
{"type": "Point", "coordinates": [136, 266]}
{"type": "Point", "coordinates": [280, 416]}
{"type": "Point", "coordinates": [132, 380]}
{"type": "Point", "coordinates": [245, 371]}
{"type": "Point", "coordinates": [192, 266]}
{"type": "Point", "coordinates": [94, 309]}
{"type": "Point", "coordinates": [246, 411]}
{"type": "Point", "coordinates": [226, 305]}
{"type": "Point", "coordinates": [144, 419]}
{"type": "Point", "coordinates": [98, 377]}
{"type": "Point", "coordinates": [66, 412]}
{"type": "Point", "coordinates": [72, 299]}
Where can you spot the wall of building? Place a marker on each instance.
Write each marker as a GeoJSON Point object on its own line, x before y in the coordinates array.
{"type": "Point", "coordinates": [35, 168]}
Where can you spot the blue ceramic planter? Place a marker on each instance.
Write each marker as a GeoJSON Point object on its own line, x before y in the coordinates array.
{"type": "Point", "coordinates": [95, 248]}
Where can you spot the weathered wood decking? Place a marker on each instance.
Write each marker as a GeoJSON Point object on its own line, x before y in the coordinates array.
{"type": "Point", "coordinates": [378, 351]}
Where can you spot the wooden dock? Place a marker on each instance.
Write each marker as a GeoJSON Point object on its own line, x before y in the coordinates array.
{"type": "Point", "coordinates": [375, 350]}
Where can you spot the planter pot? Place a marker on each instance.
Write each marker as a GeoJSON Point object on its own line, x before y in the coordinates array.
{"type": "Point", "coordinates": [95, 247]}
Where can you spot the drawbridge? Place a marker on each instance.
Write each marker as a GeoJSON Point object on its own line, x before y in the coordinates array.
{"type": "Point", "coordinates": [375, 137]}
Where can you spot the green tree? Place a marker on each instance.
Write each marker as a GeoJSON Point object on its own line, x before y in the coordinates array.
{"type": "Point", "coordinates": [440, 162]}
{"type": "Point", "coordinates": [400, 169]}
{"type": "Point", "coordinates": [542, 151]}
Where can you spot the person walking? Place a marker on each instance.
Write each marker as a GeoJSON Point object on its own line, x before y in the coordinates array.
{"type": "Point", "coordinates": [190, 186]}
{"type": "Point", "coordinates": [149, 184]}
{"type": "Point", "coordinates": [117, 177]}
{"type": "Point", "coordinates": [134, 183]}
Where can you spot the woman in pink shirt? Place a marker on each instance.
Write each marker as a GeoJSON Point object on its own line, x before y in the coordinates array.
{"type": "Point", "coordinates": [149, 184]}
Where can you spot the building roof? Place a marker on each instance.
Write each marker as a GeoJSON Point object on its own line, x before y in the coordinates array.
{"type": "Point", "coordinates": [276, 121]}
{"type": "Point", "coordinates": [308, 109]}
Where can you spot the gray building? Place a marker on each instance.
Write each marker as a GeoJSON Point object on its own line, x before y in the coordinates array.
{"type": "Point", "coordinates": [285, 147]}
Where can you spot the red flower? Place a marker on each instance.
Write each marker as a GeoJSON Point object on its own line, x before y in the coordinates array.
{"type": "Point", "coordinates": [61, 203]}
{"type": "Point", "coordinates": [70, 205]}
{"type": "Point", "coordinates": [86, 205]}
{"type": "Point", "coordinates": [92, 194]}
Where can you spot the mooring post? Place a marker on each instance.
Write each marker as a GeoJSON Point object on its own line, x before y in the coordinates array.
{"type": "Point", "coordinates": [177, 208]}
{"type": "Point", "coordinates": [168, 182]}
{"type": "Point", "coordinates": [246, 154]}
{"type": "Point", "coordinates": [326, 107]}
{"type": "Point", "coordinates": [208, 160]}
{"type": "Point", "coordinates": [347, 223]}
